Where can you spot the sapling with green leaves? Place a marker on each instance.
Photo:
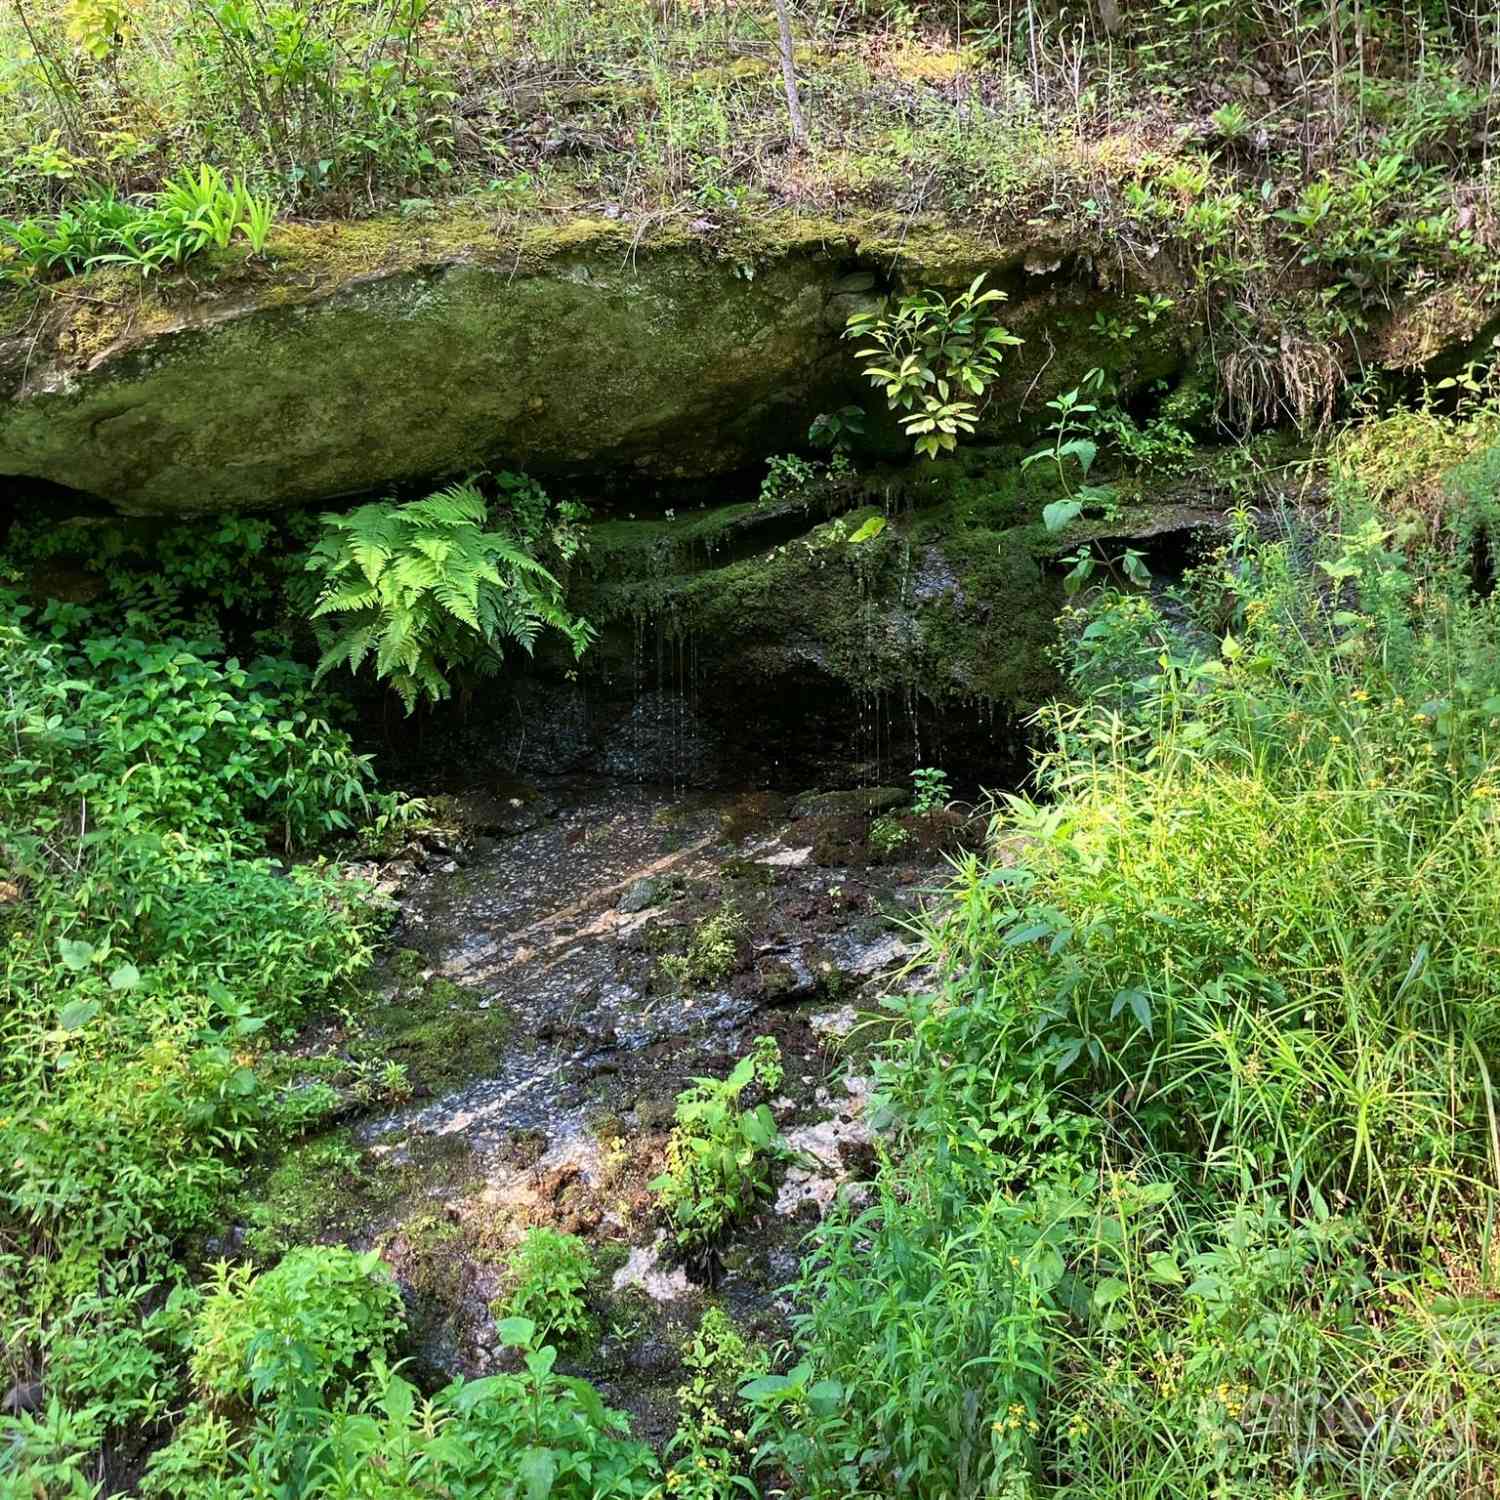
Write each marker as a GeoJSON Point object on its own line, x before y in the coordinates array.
{"type": "Point", "coordinates": [719, 1156]}
{"type": "Point", "coordinates": [930, 790]}
{"type": "Point", "coordinates": [1074, 429]}
{"type": "Point", "coordinates": [930, 355]}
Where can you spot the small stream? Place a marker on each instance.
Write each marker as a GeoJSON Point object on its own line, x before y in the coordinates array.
{"type": "Point", "coordinates": [530, 942]}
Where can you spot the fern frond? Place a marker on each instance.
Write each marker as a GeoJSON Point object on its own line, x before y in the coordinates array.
{"type": "Point", "coordinates": [419, 588]}
{"type": "Point", "coordinates": [344, 600]}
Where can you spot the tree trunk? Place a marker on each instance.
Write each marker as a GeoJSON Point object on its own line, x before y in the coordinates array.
{"type": "Point", "coordinates": [789, 75]}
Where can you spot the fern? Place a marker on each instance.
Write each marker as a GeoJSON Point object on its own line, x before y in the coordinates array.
{"type": "Point", "coordinates": [439, 586]}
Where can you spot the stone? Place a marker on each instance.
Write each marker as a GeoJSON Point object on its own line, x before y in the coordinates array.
{"type": "Point", "coordinates": [23, 1396]}
{"type": "Point", "coordinates": [643, 1269]}
{"type": "Point", "coordinates": [361, 357]}
{"type": "Point", "coordinates": [870, 800]}
{"type": "Point", "coordinates": [648, 891]}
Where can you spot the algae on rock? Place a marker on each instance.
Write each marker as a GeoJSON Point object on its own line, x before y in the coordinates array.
{"type": "Point", "coordinates": [346, 368]}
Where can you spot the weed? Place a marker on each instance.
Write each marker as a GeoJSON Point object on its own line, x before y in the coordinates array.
{"type": "Point", "coordinates": [930, 790]}
{"type": "Point", "coordinates": [712, 948]}
{"type": "Point", "coordinates": [719, 1155]}
{"type": "Point", "coordinates": [550, 1272]}
{"type": "Point", "coordinates": [887, 835]}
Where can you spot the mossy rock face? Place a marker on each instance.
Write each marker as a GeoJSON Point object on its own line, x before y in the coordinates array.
{"type": "Point", "coordinates": [953, 598]}
{"type": "Point", "coordinates": [351, 362]}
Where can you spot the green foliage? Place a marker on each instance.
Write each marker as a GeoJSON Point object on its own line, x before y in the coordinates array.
{"type": "Point", "coordinates": [887, 835]}
{"type": "Point", "coordinates": [532, 1432]}
{"type": "Point", "coordinates": [166, 737]}
{"type": "Point", "coordinates": [550, 1273]}
{"type": "Point", "coordinates": [435, 586]}
{"type": "Point", "coordinates": [192, 213]}
{"type": "Point", "coordinates": [928, 1325]}
{"type": "Point", "coordinates": [787, 478]}
{"type": "Point", "coordinates": [712, 948]}
{"type": "Point", "coordinates": [321, 1313]}
{"type": "Point", "coordinates": [834, 429]}
{"type": "Point", "coordinates": [720, 1155]}
{"type": "Point", "coordinates": [1191, 1142]}
{"type": "Point", "coordinates": [49, 1454]}
{"type": "Point", "coordinates": [929, 354]}
{"type": "Point", "coordinates": [1076, 428]}
{"type": "Point", "coordinates": [710, 1451]}
{"type": "Point", "coordinates": [152, 949]}
{"type": "Point", "coordinates": [1072, 427]}
{"type": "Point", "coordinates": [931, 791]}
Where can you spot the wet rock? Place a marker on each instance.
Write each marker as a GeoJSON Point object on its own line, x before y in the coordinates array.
{"type": "Point", "coordinates": [788, 858]}
{"type": "Point", "coordinates": [651, 890]}
{"type": "Point", "coordinates": [829, 1152]}
{"type": "Point", "coordinates": [785, 976]}
{"type": "Point", "coordinates": [500, 809]}
{"type": "Point", "coordinates": [23, 1396]}
{"type": "Point", "coordinates": [659, 734]}
{"type": "Point", "coordinates": [643, 1268]}
{"type": "Point", "coordinates": [836, 1023]}
{"type": "Point", "coordinates": [869, 800]}
{"type": "Point", "coordinates": [860, 957]}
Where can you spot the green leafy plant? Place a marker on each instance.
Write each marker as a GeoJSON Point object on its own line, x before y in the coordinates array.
{"type": "Point", "coordinates": [529, 1432]}
{"type": "Point", "coordinates": [1072, 427]}
{"type": "Point", "coordinates": [316, 1316]}
{"type": "Point", "coordinates": [787, 478]}
{"type": "Point", "coordinates": [931, 791]}
{"type": "Point", "coordinates": [189, 214]}
{"type": "Point", "coordinates": [929, 354]}
{"type": "Point", "coordinates": [719, 1155]}
{"type": "Point", "coordinates": [887, 835]}
{"type": "Point", "coordinates": [437, 586]}
{"type": "Point", "coordinates": [550, 1272]}
{"type": "Point", "coordinates": [711, 948]}
{"type": "Point", "coordinates": [710, 1451]}
{"type": "Point", "coordinates": [1075, 428]}
{"type": "Point", "coordinates": [834, 429]}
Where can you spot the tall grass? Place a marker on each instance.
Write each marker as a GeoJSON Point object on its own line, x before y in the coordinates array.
{"type": "Point", "coordinates": [1201, 1100]}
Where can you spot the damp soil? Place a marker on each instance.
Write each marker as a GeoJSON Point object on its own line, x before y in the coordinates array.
{"type": "Point", "coordinates": [533, 994]}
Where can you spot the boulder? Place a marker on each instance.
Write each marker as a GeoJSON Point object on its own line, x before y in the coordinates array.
{"type": "Point", "coordinates": [358, 357]}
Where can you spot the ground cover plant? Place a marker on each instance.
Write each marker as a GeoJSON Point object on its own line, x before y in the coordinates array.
{"type": "Point", "coordinates": [172, 909]}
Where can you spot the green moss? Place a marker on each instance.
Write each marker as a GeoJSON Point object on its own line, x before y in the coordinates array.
{"type": "Point", "coordinates": [951, 598]}
{"type": "Point", "coordinates": [326, 1189]}
{"type": "Point", "coordinates": [434, 1252]}
{"type": "Point", "coordinates": [437, 1032]}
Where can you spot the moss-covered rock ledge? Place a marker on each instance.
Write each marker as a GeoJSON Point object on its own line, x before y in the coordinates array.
{"type": "Point", "coordinates": [360, 356]}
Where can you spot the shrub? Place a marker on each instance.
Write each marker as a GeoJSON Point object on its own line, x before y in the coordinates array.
{"type": "Point", "coordinates": [930, 790]}
{"type": "Point", "coordinates": [928, 354]}
{"type": "Point", "coordinates": [532, 1432]}
{"type": "Point", "coordinates": [710, 1450]}
{"type": "Point", "coordinates": [887, 835]}
{"type": "Point", "coordinates": [314, 1318]}
{"type": "Point", "coordinates": [550, 1432]}
{"type": "Point", "coordinates": [719, 1155]}
{"type": "Point", "coordinates": [926, 1326]}
{"type": "Point", "coordinates": [166, 738]}
{"type": "Point", "coordinates": [550, 1271]}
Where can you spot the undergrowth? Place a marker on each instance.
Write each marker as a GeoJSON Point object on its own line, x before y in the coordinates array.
{"type": "Point", "coordinates": [1190, 1185]}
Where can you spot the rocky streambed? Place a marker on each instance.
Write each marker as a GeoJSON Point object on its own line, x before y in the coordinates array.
{"type": "Point", "coordinates": [564, 961]}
